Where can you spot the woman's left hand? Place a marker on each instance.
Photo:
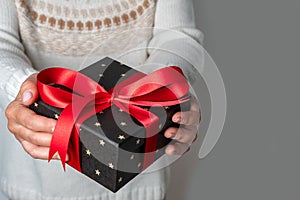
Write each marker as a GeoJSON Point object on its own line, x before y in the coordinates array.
{"type": "Point", "coordinates": [187, 133]}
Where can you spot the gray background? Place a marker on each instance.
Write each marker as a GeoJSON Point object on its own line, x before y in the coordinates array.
{"type": "Point", "coordinates": [256, 45]}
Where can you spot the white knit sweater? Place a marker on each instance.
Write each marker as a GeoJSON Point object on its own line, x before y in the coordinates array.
{"type": "Point", "coordinates": [35, 34]}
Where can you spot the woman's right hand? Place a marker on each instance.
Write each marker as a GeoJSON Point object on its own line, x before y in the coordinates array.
{"type": "Point", "coordinates": [33, 131]}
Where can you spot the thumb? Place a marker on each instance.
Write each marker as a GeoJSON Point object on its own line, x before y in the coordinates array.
{"type": "Point", "coordinates": [28, 90]}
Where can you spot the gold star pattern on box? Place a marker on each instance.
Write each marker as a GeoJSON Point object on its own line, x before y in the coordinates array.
{"type": "Point", "coordinates": [101, 112]}
{"type": "Point", "coordinates": [56, 116]}
{"type": "Point", "coordinates": [132, 157]}
{"type": "Point", "coordinates": [97, 124]}
{"type": "Point", "coordinates": [121, 137]}
{"type": "Point", "coordinates": [120, 179]}
{"type": "Point", "coordinates": [103, 65]}
{"type": "Point", "coordinates": [138, 141]}
{"type": "Point", "coordinates": [110, 165]}
{"type": "Point", "coordinates": [97, 172]}
{"type": "Point", "coordinates": [123, 75]}
{"type": "Point", "coordinates": [123, 124]}
{"type": "Point", "coordinates": [36, 104]}
{"type": "Point", "coordinates": [88, 152]}
{"type": "Point", "coordinates": [160, 126]}
{"type": "Point", "coordinates": [120, 110]}
{"type": "Point", "coordinates": [139, 165]}
{"type": "Point", "coordinates": [167, 107]}
{"type": "Point", "coordinates": [101, 142]}
{"type": "Point", "coordinates": [101, 75]}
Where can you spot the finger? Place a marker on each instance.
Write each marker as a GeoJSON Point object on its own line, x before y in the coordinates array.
{"type": "Point", "coordinates": [191, 117]}
{"type": "Point", "coordinates": [37, 138]}
{"type": "Point", "coordinates": [187, 117]}
{"type": "Point", "coordinates": [184, 135]}
{"type": "Point", "coordinates": [38, 152]}
{"type": "Point", "coordinates": [35, 151]}
{"type": "Point", "coordinates": [194, 104]}
{"type": "Point", "coordinates": [177, 149]}
{"type": "Point", "coordinates": [29, 119]}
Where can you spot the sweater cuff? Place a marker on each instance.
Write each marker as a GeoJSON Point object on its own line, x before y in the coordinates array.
{"type": "Point", "coordinates": [180, 52]}
{"type": "Point", "coordinates": [15, 81]}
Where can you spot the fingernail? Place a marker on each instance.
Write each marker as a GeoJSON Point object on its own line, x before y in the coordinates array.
{"type": "Point", "coordinates": [56, 156]}
{"type": "Point", "coordinates": [26, 96]}
{"type": "Point", "coordinates": [172, 135]}
{"type": "Point", "coordinates": [53, 126]}
{"type": "Point", "coordinates": [67, 158]}
{"type": "Point", "coordinates": [178, 120]}
{"type": "Point", "coordinates": [174, 152]}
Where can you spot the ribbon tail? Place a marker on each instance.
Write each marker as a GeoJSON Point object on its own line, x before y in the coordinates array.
{"type": "Point", "coordinates": [151, 146]}
{"type": "Point", "coordinates": [59, 143]}
{"type": "Point", "coordinates": [64, 128]}
{"type": "Point", "coordinates": [62, 156]}
{"type": "Point", "coordinates": [73, 149]}
{"type": "Point", "coordinates": [151, 140]}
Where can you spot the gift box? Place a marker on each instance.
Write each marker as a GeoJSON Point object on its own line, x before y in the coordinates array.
{"type": "Point", "coordinates": [111, 144]}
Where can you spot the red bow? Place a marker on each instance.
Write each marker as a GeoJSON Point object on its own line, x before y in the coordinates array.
{"type": "Point", "coordinates": [86, 97]}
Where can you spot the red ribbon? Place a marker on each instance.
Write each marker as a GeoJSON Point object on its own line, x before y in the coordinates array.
{"type": "Point", "coordinates": [85, 98]}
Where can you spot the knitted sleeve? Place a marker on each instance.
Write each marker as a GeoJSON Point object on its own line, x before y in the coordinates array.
{"type": "Point", "coordinates": [15, 67]}
{"type": "Point", "coordinates": [176, 40]}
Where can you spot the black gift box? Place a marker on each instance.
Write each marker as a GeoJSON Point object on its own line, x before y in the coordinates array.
{"type": "Point", "coordinates": [112, 143]}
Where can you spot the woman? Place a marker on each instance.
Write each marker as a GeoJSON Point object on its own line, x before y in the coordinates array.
{"type": "Point", "coordinates": [35, 34]}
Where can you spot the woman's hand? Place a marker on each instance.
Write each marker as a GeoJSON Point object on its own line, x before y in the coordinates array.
{"type": "Point", "coordinates": [33, 131]}
{"type": "Point", "coordinates": [186, 134]}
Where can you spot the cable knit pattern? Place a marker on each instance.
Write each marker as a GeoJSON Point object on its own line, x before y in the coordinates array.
{"type": "Point", "coordinates": [36, 34]}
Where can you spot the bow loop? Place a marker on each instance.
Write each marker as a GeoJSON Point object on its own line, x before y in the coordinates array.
{"type": "Point", "coordinates": [167, 86]}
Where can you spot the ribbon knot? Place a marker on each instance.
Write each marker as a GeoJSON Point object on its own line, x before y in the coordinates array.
{"type": "Point", "coordinates": [82, 97]}
{"type": "Point", "coordinates": [112, 98]}
{"type": "Point", "coordinates": [115, 97]}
